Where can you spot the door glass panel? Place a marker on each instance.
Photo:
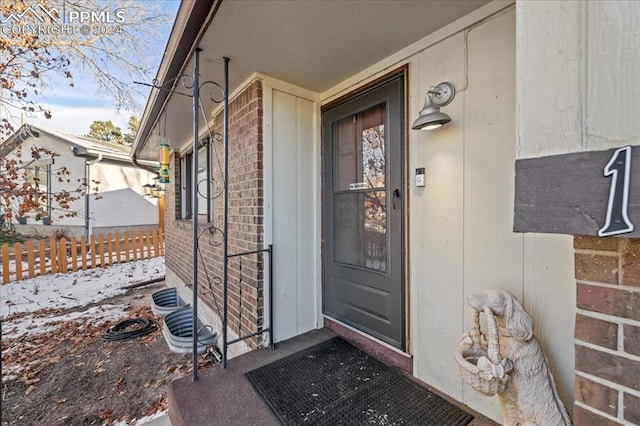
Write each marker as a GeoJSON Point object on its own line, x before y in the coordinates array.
{"type": "Point", "coordinates": [360, 229]}
{"type": "Point", "coordinates": [347, 152]}
{"type": "Point", "coordinates": [373, 164]}
{"type": "Point", "coordinates": [360, 150]}
{"type": "Point", "coordinates": [360, 221]}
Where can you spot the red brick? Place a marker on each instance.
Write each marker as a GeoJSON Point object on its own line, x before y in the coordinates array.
{"type": "Point", "coordinates": [586, 242]}
{"type": "Point", "coordinates": [612, 301]}
{"type": "Point", "coordinates": [630, 259]}
{"type": "Point", "coordinates": [584, 417]}
{"type": "Point", "coordinates": [631, 336]}
{"type": "Point", "coordinates": [245, 217]}
{"type": "Point", "coordinates": [596, 331]}
{"type": "Point", "coordinates": [614, 368]}
{"type": "Point", "coordinates": [632, 409]}
{"type": "Point", "coordinates": [597, 268]}
{"type": "Point", "coordinates": [595, 395]}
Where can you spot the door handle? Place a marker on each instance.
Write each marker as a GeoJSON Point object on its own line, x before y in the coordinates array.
{"type": "Point", "coordinates": [396, 194]}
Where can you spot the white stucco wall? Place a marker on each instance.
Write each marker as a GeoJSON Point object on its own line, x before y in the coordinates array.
{"type": "Point", "coordinates": [122, 208]}
{"type": "Point", "coordinates": [460, 225]}
{"type": "Point", "coordinates": [113, 177]}
{"type": "Point", "coordinates": [64, 158]}
{"type": "Point", "coordinates": [122, 203]}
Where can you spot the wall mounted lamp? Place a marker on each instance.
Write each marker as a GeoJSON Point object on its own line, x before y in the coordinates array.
{"type": "Point", "coordinates": [430, 116]}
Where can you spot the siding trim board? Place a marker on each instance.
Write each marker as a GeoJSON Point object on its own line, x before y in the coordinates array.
{"type": "Point", "coordinates": [569, 193]}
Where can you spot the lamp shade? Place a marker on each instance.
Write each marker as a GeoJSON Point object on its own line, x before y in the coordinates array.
{"type": "Point", "coordinates": [430, 116]}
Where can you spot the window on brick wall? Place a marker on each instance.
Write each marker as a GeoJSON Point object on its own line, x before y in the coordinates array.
{"type": "Point", "coordinates": [205, 187]}
{"type": "Point", "coordinates": [185, 187]}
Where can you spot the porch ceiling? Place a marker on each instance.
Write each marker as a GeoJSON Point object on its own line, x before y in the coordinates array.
{"type": "Point", "coordinates": [313, 44]}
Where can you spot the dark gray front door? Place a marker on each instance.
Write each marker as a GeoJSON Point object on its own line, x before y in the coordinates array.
{"type": "Point", "coordinates": [363, 203]}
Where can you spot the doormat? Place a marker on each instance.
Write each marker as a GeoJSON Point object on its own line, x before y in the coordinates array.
{"type": "Point", "coordinates": [334, 383]}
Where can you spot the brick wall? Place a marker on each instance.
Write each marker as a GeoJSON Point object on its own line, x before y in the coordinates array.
{"type": "Point", "coordinates": [245, 220]}
{"type": "Point", "coordinates": [607, 333]}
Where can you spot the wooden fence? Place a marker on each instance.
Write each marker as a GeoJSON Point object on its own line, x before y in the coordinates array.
{"type": "Point", "coordinates": [52, 256]}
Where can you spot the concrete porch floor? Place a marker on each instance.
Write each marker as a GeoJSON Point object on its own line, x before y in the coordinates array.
{"type": "Point", "coordinates": [225, 397]}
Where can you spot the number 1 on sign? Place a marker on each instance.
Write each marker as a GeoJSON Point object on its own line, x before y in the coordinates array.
{"type": "Point", "coordinates": [619, 167]}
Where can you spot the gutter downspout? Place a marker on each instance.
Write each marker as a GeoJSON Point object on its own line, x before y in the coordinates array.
{"type": "Point", "coordinates": [87, 176]}
{"type": "Point", "coordinates": [134, 160]}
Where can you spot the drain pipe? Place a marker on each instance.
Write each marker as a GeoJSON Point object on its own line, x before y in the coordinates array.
{"type": "Point", "coordinates": [136, 162]}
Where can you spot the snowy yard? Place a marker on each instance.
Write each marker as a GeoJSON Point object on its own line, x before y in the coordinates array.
{"type": "Point", "coordinates": [76, 288]}
{"type": "Point", "coordinates": [57, 368]}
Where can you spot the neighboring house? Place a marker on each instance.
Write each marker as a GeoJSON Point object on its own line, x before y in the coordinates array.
{"type": "Point", "coordinates": [120, 205]}
{"type": "Point", "coordinates": [322, 91]}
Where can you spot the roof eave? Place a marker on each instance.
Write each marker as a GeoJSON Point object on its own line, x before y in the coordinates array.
{"type": "Point", "coordinates": [111, 158]}
{"type": "Point", "coordinates": [191, 21]}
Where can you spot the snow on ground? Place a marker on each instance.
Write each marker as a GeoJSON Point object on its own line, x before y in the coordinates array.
{"type": "Point", "coordinates": [155, 419]}
{"type": "Point", "coordinates": [33, 324]}
{"type": "Point", "coordinates": [38, 325]}
{"type": "Point", "coordinates": [76, 288]}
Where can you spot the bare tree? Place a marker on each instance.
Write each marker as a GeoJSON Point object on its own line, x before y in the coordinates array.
{"type": "Point", "coordinates": [21, 186]}
{"type": "Point", "coordinates": [112, 42]}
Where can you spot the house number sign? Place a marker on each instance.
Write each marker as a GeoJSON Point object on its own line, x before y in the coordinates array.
{"type": "Point", "coordinates": [617, 219]}
{"type": "Point", "coordinates": [580, 193]}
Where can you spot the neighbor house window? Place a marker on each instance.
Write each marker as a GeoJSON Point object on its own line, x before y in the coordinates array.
{"type": "Point", "coordinates": [204, 192]}
{"type": "Point", "coordinates": [40, 177]}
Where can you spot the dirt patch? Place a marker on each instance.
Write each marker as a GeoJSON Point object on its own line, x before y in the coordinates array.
{"type": "Point", "coordinates": [68, 375]}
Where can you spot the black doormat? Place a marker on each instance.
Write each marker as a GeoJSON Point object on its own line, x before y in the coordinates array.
{"type": "Point", "coordinates": [334, 383]}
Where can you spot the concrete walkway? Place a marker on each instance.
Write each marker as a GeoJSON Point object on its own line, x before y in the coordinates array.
{"type": "Point", "coordinates": [225, 397]}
